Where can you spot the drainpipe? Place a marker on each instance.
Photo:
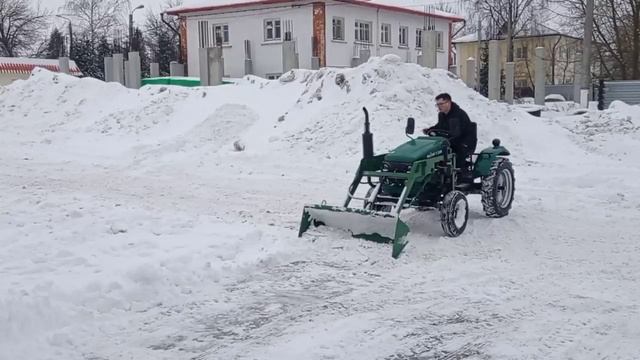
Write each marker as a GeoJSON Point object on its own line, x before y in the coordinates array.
{"type": "Point", "coordinates": [378, 32]}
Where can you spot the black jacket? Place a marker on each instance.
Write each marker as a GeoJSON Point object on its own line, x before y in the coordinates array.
{"type": "Point", "coordinates": [458, 125]}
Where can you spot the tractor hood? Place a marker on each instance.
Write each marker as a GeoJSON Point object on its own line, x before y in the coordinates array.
{"type": "Point", "coordinates": [420, 148]}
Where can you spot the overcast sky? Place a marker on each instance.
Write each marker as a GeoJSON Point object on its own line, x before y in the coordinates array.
{"type": "Point", "coordinates": [157, 5]}
{"type": "Point", "coordinates": [138, 15]}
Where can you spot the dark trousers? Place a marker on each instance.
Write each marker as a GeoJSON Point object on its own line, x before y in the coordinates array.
{"type": "Point", "coordinates": [461, 156]}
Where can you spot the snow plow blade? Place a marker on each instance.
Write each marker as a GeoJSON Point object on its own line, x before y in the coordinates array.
{"type": "Point", "coordinates": [362, 224]}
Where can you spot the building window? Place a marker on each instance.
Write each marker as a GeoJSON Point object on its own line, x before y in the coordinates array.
{"type": "Point", "coordinates": [272, 30]}
{"type": "Point", "coordinates": [385, 34]}
{"type": "Point", "coordinates": [363, 31]}
{"type": "Point", "coordinates": [221, 34]}
{"type": "Point", "coordinates": [402, 36]}
{"type": "Point", "coordinates": [418, 38]}
{"type": "Point", "coordinates": [338, 28]}
{"type": "Point", "coordinates": [203, 34]}
{"type": "Point", "coordinates": [521, 52]}
{"type": "Point", "coordinates": [521, 83]}
{"type": "Point", "coordinates": [439, 40]}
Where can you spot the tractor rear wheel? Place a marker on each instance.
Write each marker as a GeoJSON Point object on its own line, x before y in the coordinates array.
{"type": "Point", "coordinates": [498, 188]}
{"type": "Point", "coordinates": [454, 213]}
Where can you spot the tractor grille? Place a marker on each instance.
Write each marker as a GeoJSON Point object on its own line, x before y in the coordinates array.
{"type": "Point", "coordinates": [396, 167]}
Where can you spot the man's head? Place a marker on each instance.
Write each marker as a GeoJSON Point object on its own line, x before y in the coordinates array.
{"type": "Point", "coordinates": [443, 101]}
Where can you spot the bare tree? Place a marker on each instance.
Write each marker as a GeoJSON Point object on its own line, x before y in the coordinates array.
{"type": "Point", "coordinates": [616, 31]}
{"type": "Point", "coordinates": [21, 26]}
{"type": "Point", "coordinates": [508, 18]}
{"type": "Point", "coordinates": [162, 34]}
{"type": "Point", "coordinates": [96, 18]}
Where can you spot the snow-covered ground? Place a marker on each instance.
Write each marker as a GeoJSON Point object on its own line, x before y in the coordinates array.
{"type": "Point", "coordinates": [162, 224]}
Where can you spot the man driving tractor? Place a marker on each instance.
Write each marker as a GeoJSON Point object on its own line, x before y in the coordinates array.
{"type": "Point", "coordinates": [458, 128]}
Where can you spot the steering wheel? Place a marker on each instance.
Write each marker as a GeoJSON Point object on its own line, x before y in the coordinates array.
{"type": "Point", "coordinates": [437, 132]}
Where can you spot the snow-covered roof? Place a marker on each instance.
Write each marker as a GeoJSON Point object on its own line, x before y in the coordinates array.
{"type": "Point", "coordinates": [208, 5]}
{"type": "Point", "coordinates": [20, 65]}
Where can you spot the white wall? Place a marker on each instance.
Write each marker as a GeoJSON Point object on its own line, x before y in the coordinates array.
{"type": "Point", "coordinates": [249, 25]}
{"type": "Point", "coordinates": [339, 53]}
{"type": "Point", "coordinates": [267, 57]}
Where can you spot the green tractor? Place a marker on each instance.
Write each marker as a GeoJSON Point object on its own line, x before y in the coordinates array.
{"type": "Point", "coordinates": [421, 173]}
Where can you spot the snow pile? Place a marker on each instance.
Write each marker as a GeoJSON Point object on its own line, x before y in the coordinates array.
{"type": "Point", "coordinates": [314, 114]}
{"type": "Point", "coordinates": [614, 132]}
{"type": "Point", "coordinates": [89, 119]}
{"type": "Point", "coordinates": [561, 107]}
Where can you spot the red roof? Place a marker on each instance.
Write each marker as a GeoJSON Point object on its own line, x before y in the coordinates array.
{"type": "Point", "coordinates": [368, 3]}
{"type": "Point", "coordinates": [22, 68]}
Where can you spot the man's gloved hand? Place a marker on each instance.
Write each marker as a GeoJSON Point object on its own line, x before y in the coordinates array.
{"type": "Point", "coordinates": [426, 131]}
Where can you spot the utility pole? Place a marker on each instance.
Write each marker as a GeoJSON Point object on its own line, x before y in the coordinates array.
{"type": "Point", "coordinates": [586, 46]}
{"type": "Point", "coordinates": [478, 52]}
{"type": "Point", "coordinates": [70, 35]}
{"type": "Point", "coordinates": [131, 26]}
{"type": "Point", "coordinates": [70, 41]}
{"type": "Point", "coordinates": [510, 33]}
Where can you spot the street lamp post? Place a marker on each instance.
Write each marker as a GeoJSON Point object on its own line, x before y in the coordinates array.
{"type": "Point", "coordinates": [131, 25]}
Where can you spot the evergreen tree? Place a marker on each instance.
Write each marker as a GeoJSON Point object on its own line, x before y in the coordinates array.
{"type": "Point", "coordinates": [161, 40]}
{"type": "Point", "coordinates": [55, 46]}
{"type": "Point", "coordinates": [104, 48]}
{"type": "Point", "coordinates": [85, 58]}
{"type": "Point", "coordinates": [166, 50]}
{"type": "Point", "coordinates": [138, 44]}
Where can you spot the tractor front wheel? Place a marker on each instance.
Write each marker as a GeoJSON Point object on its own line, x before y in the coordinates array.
{"type": "Point", "coordinates": [454, 213]}
{"type": "Point", "coordinates": [498, 189]}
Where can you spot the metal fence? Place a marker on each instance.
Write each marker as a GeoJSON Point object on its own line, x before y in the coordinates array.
{"type": "Point", "coordinates": [564, 90]}
{"type": "Point", "coordinates": [627, 91]}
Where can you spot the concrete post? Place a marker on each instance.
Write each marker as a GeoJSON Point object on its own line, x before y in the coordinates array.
{"type": "Point", "coordinates": [577, 79]}
{"type": "Point", "coordinates": [64, 65]}
{"type": "Point", "coordinates": [470, 73]}
{"type": "Point", "coordinates": [429, 56]}
{"type": "Point", "coordinates": [108, 69]}
{"type": "Point", "coordinates": [154, 70]}
{"type": "Point", "coordinates": [203, 61]}
{"type": "Point", "coordinates": [584, 98]}
{"type": "Point", "coordinates": [288, 55]}
{"type": "Point", "coordinates": [211, 66]}
{"type": "Point", "coordinates": [510, 70]}
{"type": "Point", "coordinates": [248, 61]}
{"type": "Point", "coordinates": [135, 72]}
{"type": "Point", "coordinates": [539, 76]}
{"type": "Point", "coordinates": [118, 68]}
{"type": "Point", "coordinates": [216, 60]}
{"type": "Point", "coordinates": [315, 63]}
{"type": "Point", "coordinates": [494, 70]}
{"type": "Point", "coordinates": [176, 69]}
{"type": "Point", "coordinates": [126, 74]}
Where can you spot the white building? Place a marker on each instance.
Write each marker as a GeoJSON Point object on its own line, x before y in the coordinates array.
{"type": "Point", "coordinates": [331, 30]}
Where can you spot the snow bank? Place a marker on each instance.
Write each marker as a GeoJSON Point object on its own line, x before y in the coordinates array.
{"type": "Point", "coordinates": [614, 132]}
{"type": "Point", "coordinates": [312, 114]}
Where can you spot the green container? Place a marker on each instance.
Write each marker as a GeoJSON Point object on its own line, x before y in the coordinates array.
{"type": "Point", "coordinates": [175, 80]}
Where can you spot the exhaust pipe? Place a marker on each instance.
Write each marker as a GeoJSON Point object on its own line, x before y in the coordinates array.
{"type": "Point", "coordinates": [367, 137]}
